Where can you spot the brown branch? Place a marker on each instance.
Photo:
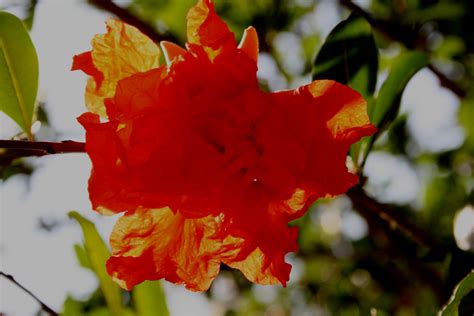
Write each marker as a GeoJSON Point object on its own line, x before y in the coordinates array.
{"type": "Point", "coordinates": [128, 17]}
{"type": "Point", "coordinates": [44, 307]}
{"type": "Point", "coordinates": [31, 148]}
{"type": "Point", "coordinates": [395, 221]}
{"type": "Point", "coordinates": [406, 38]}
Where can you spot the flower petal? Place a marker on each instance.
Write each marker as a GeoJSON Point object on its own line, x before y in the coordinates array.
{"type": "Point", "coordinates": [84, 62]}
{"type": "Point", "coordinates": [208, 168]}
{"type": "Point", "coordinates": [171, 51]}
{"type": "Point", "coordinates": [257, 269]}
{"type": "Point", "coordinates": [325, 118]}
{"type": "Point", "coordinates": [121, 52]}
{"type": "Point", "coordinates": [157, 243]}
{"type": "Point", "coordinates": [349, 120]}
{"type": "Point", "coordinates": [249, 43]}
{"type": "Point", "coordinates": [135, 94]}
{"type": "Point", "coordinates": [205, 28]}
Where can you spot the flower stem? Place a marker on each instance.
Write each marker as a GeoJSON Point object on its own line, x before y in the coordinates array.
{"type": "Point", "coordinates": [45, 307]}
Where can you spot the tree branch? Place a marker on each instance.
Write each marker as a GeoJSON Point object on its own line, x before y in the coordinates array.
{"type": "Point", "coordinates": [31, 148]}
{"type": "Point", "coordinates": [45, 307]}
{"type": "Point", "coordinates": [130, 18]}
{"type": "Point", "coordinates": [395, 221]}
{"type": "Point", "coordinates": [405, 37]}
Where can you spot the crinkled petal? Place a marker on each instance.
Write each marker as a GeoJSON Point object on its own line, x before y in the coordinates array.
{"type": "Point", "coordinates": [347, 110]}
{"type": "Point", "coordinates": [152, 244]}
{"type": "Point", "coordinates": [121, 52]}
{"type": "Point", "coordinates": [205, 27]}
{"type": "Point", "coordinates": [255, 270]}
{"type": "Point", "coordinates": [136, 94]}
{"type": "Point", "coordinates": [157, 243]}
{"type": "Point", "coordinates": [326, 118]}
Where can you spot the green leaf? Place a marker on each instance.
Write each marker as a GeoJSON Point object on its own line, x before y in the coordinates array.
{"type": "Point", "coordinates": [18, 72]}
{"type": "Point", "coordinates": [149, 299]}
{"type": "Point", "coordinates": [71, 307]}
{"type": "Point", "coordinates": [98, 254]}
{"type": "Point", "coordinates": [385, 108]}
{"type": "Point", "coordinates": [349, 56]}
{"type": "Point", "coordinates": [443, 10]}
{"type": "Point", "coordinates": [81, 256]}
{"type": "Point", "coordinates": [30, 14]}
{"type": "Point", "coordinates": [390, 95]}
{"type": "Point", "coordinates": [462, 289]}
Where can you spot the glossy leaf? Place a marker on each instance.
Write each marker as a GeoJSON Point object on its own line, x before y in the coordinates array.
{"type": "Point", "coordinates": [98, 254]}
{"type": "Point", "coordinates": [349, 56]}
{"type": "Point", "coordinates": [149, 299]}
{"type": "Point", "coordinates": [385, 108]}
{"type": "Point", "coordinates": [388, 100]}
{"type": "Point", "coordinates": [462, 289]}
{"type": "Point", "coordinates": [18, 71]}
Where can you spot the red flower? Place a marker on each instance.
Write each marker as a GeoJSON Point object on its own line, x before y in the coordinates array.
{"type": "Point", "coordinates": [206, 167]}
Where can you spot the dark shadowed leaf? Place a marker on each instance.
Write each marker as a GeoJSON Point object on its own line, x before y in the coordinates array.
{"type": "Point", "coordinates": [461, 290]}
{"type": "Point", "coordinates": [18, 71]}
{"type": "Point", "coordinates": [98, 254]}
{"type": "Point", "coordinates": [30, 13]}
{"type": "Point", "coordinates": [149, 299]}
{"type": "Point", "coordinates": [349, 56]}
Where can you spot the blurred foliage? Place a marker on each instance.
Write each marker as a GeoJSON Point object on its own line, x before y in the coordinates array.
{"type": "Point", "coordinates": [96, 257]}
{"type": "Point", "coordinates": [350, 262]}
{"type": "Point", "coordinates": [349, 56]}
{"type": "Point", "coordinates": [146, 299]}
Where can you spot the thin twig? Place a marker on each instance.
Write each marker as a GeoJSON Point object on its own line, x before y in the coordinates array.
{"type": "Point", "coordinates": [32, 148]}
{"type": "Point", "coordinates": [407, 39]}
{"type": "Point", "coordinates": [45, 307]}
{"type": "Point", "coordinates": [128, 17]}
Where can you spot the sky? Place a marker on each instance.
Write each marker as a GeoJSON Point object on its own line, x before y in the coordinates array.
{"type": "Point", "coordinates": [45, 262]}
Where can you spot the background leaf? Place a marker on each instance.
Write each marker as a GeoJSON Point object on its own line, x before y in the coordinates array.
{"type": "Point", "coordinates": [98, 254]}
{"type": "Point", "coordinates": [388, 100]}
{"type": "Point", "coordinates": [349, 56]}
{"type": "Point", "coordinates": [384, 110]}
{"type": "Point", "coordinates": [461, 290]}
{"type": "Point", "coordinates": [82, 257]}
{"type": "Point", "coordinates": [149, 299]}
{"type": "Point", "coordinates": [18, 71]}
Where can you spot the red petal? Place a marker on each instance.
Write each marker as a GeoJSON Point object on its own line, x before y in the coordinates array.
{"type": "Point", "coordinates": [205, 28]}
{"type": "Point", "coordinates": [84, 62]}
{"type": "Point", "coordinates": [249, 43]}
{"type": "Point", "coordinates": [155, 244]}
{"type": "Point", "coordinates": [171, 51]}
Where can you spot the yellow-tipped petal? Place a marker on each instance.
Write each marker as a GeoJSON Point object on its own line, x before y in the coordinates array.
{"type": "Point", "coordinates": [171, 51]}
{"type": "Point", "coordinates": [249, 43]}
{"type": "Point", "coordinates": [120, 53]}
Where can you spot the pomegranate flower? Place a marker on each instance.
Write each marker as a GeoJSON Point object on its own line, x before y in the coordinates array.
{"type": "Point", "coordinates": [206, 167]}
